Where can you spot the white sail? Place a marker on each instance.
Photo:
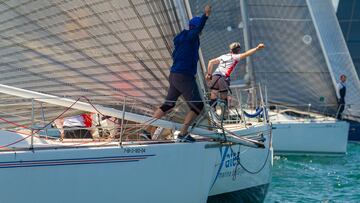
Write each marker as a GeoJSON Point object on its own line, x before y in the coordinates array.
{"type": "Point", "coordinates": [337, 54]}
{"type": "Point", "coordinates": [110, 52]}
{"type": "Point", "coordinates": [90, 48]}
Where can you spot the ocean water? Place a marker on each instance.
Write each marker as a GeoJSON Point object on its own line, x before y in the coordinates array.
{"type": "Point", "coordinates": [316, 178]}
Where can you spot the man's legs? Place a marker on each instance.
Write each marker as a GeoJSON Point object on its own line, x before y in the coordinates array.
{"type": "Point", "coordinates": [223, 95]}
{"type": "Point", "coordinates": [192, 97]}
{"type": "Point", "coordinates": [170, 101]}
{"type": "Point", "coordinates": [190, 116]}
{"type": "Point", "coordinates": [213, 98]}
{"type": "Point", "coordinates": [214, 87]}
{"type": "Point", "coordinates": [158, 113]}
{"type": "Point", "coordinates": [341, 108]}
{"type": "Point", "coordinates": [148, 130]}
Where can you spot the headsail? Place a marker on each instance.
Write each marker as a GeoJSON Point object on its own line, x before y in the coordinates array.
{"type": "Point", "coordinates": [104, 50]}
{"type": "Point", "coordinates": [295, 69]}
{"type": "Point", "coordinates": [335, 50]}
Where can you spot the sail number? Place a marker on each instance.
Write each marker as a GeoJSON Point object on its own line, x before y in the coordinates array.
{"type": "Point", "coordinates": [131, 150]}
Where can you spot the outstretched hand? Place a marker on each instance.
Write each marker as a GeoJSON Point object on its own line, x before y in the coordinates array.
{"type": "Point", "coordinates": [208, 77]}
{"type": "Point", "coordinates": [260, 46]}
{"type": "Point", "coordinates": [207, 10]}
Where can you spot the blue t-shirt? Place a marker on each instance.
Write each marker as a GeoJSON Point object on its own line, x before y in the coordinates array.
{"type": "Point", "coordinates": [186, 53]}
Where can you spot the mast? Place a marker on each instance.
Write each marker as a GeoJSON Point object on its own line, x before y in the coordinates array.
{"type": "Point", "coordinates": [244, 16]}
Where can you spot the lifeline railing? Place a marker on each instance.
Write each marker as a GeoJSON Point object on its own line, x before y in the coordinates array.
{"type": "Point", "coordinates": [41, 122]}
{"type": "Point", "coordinates": [308, 112]}
{"type": "Point", "coordinates": [88, 106]}
{"type": "Point", "coordinates": [34, 115]}
{"type": "Point", "coordinates": [246, 99]}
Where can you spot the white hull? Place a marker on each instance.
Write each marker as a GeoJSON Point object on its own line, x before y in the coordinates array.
{"type": "Point", "coordinates": [166, 172]}
{"type": "Point", "coordinates": [253, 170]}
{"type": "Point", "coordinates": [322, 137]}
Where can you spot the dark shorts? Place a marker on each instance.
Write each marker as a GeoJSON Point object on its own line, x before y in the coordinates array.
{"type": "Point", "coordinates": [220, 83]}
{"type": "Point", "coordinates": [186, 86]}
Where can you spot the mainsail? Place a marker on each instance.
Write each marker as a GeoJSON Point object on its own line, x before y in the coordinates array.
{"type": "Point", "coordinates": [294, 71]}
{"type": "Point", "coordinates": [104, 50]}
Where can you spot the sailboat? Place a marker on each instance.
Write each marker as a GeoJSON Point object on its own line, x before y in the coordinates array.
{"type": "Point", "coordinates": [111, 58]}
{"type": "Point", "coordinates": [316, 58]}
{"type": "Point", "coordinates": [298, 69]}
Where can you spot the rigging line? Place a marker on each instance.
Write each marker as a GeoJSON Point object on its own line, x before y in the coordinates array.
{"type": "Point", "coordinates": [51, 138]}
{"type": "Point", "coordinates": [147, 69]}
{"type": "Point", "coordinates": [40, 65]}
{"type": "Point", "coordinates": [104, 46]}
{"type": "Point", "coordinates": [42, 128]}
{"type": "Point", "coordinates": [132, 52]}
{"type": "Point", "coordinates": [10, 8]}
{"type": "Point", "coordinates": [263, 165]}
{"type": "Point", "coordinates": [114, 54]}
{"type": "Point", "coordinates": [167, 18]}
{"type": "Point", "coordinates": [37, 136]}
{"type": "Point", "coordinates": [150, 121]}
{"type": "Point", "coordinates": [68, 52]}
{"type": "Point", "coordinates": [74, 76]}
{"type": "Point", "coordinates": [63, 23]}
{"type": "Point", "coordinates": [243, 135]}
{"type": "Point", "coordinates": [126, 124]}
{"type": "Point", "coordinates": [177, 19]}
{"type": "Point", "coordinates": [200, 118]}
{"type": "Point", "coordinates": [49, 58]}
{"type": "Point", "coordinates": [43, 77]}
{"type": "Point", "coordinates": [107, 48]}
{"type": "Point", "coordinates": [19, 16]}
{"type": "Point", "coordinates": [164, 11]}
{"type": "Point", "coordinates": [141, 44]}
{"type": "Point", "coordinates": [18, 116]}
{"type": "Point", "coordinates": [170, 114]}
{"type": "Point", "coordinates": [155, 13]}
{"type": "Point", "coordinates": [154, 17]}
{"type": "Point", "coordinates": [14, 124]}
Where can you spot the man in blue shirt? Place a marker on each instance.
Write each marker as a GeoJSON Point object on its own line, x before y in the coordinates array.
{"type": "Point", "coordinates": [182, 75]}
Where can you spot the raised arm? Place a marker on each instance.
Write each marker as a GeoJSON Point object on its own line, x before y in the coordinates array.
{"type": "Point", "coordinates": [196, 31]}
{"type": "Point", "coordinates": [211, 63]}
{"type": "Point", "coordinates": [252, 51]}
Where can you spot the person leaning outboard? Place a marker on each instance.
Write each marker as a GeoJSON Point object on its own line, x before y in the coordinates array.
{"type": "Point", "coordinates": [182, 75]}
{"type": "Point", "coordinates": [340, 94]}
{"type": "Point", "coordinates": [220, 79]}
